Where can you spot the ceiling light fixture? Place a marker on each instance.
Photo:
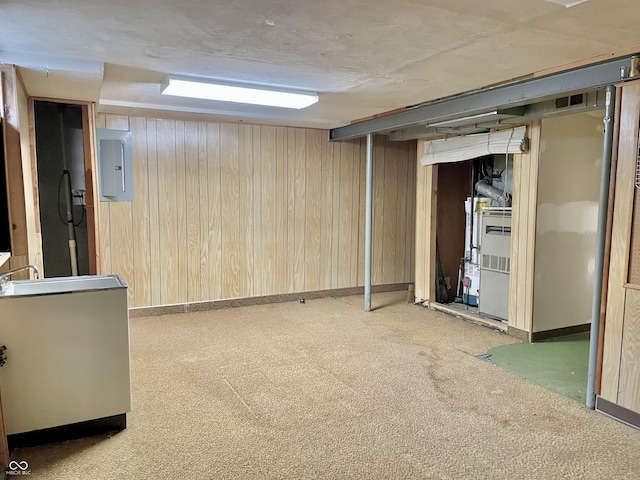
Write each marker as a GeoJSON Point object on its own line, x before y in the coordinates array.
{"type": "Point", "coordinates": [236, 92]}
{"type": "Point", "coordinates": [461, 119]}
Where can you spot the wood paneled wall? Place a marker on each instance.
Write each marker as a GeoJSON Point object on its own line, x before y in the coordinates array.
{"type": "Point", "coordinates": [226, 210]}
{"type": "Point", "coordinates": [10, 96]}
{"type": "Point", "coordinates": [426, 215]}
{"type": "Point", "coordinates": [620, 382]}
{"type": "Point", "coordinates": [523, 232]}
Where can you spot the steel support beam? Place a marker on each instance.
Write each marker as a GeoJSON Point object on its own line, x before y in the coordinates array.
{"type": "Point", "coordinates": [601, 237]}
{"type": "Point", "coordinates": [368, 225]}
{"type": "Point", "coordinates": [480, 101]}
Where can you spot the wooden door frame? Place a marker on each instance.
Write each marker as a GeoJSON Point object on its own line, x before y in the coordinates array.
{"type": "Point", "coordinates": [619, 250]}
{"type": "Point", "coordinates": [90, 166]}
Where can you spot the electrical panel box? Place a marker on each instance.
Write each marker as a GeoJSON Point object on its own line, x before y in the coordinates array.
{"type": "Point", "coordinates": [495, 262]}
{"type": "Point", "coordinates": [114, 165]}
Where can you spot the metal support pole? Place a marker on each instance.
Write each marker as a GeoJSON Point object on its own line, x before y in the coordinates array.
{"type": "Point", "coordinates": [368, 225]}
{"type": "Point", "coordinates": [600, 244]}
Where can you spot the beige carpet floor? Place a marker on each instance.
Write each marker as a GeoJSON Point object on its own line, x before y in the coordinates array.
{"type": "Point", "coordinates": [323, 390]}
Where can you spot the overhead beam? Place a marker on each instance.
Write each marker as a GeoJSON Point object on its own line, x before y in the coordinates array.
{"type": "Point", "coordinates": [480, 101]}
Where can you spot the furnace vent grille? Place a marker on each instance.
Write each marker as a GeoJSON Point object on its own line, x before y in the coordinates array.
{"type": "Point", "coordinates": [496, 263]}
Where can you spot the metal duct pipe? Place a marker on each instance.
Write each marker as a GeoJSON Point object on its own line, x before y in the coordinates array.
{"type": "Point", "coordinates": [483, 188]}
{"type": "Point", "coordinates": [601, 237]}
{"type": "Point", "coordinates": [368, 225]}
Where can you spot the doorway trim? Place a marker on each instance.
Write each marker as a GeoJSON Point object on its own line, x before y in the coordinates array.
{"type": "Point", "coordinates": [91, 181]}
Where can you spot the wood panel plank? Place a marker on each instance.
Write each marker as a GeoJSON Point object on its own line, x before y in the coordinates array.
{"type": "Point", "coordinates": [521, 189]}
{"type": "Point", "coordinates": [166, 141]}
{"type": "Point", "coordinates": [346, 213]}
{"type": "Point", "coordinates": [629, 385]}
{"type": "Point", "coordinates": [154, 220]}
{"type": "Point", "coordinates": [299, 168]}
{"type": "Point", "coordinates": [421, 231]}
{"type": "Point", "coordinates": [524, 215]}
{"type": "Point", "coordinates": [362, 204]}
{"type": "Point", "coordinates": [532, 215]}
{"type": "Point", "coordinates": [313, 212]}
{"type": "Point", "coordinates": [326, 219]}
{"type": "Point", "coordinates": [215, 220]}
{"type": "Point", "coordinates": [400, 213]}
{"type": "Point", "coordinates": [91, 196]}
{"type": "Point", "coordinates": [426, 214]}
{"type": "Point", "coordinates": [206, 148]}
{"type": "Point", "coordinates": [121, 225]}
{"type": "Point", "coordinates": [268, 161]}
{"type": "Point", "coordinates": [290, 219]}
{"type": "Point", "coordinates": [142, 267]}
{"type": "Point", "coordinates": [193, 212]}
{"type": "Point", "coordinates": [620, 241]}
{"type": "Point", "coordinates": [336, 209]}
{"type": "Point", "coordinates": [516, 215]}
{"type": "Point", "coordinates": [526, 204]}
{"type": "Point", "coordinates": [390, 211]}
{"type": "Point", "coordinates": [354, 247]}
{"type": "Point", "coordinates": [181, 212]}
{"type": "Point", "coordinates": [634, 249]}
{"type": "Point", "coordinates": [378, 207]}
{"type": "Point", "coordinates": [230, 239]}
{"type": "Point", "coordinates": [259, 260]}
{"type": "Point", "coordinates": [16, 188]}
{"type": "Point", "coordinates": [281, 274]}
{"type": "Point", "coordinates": [432, 209]}
{"type": "Point", "coordinates": [409, 230]}
{"type": "Point", "coordinates": [246, 219]}
{"type": "Point", "coordinates": [410, 240]}
{"type": "Point", "coordinates": [105, 220]}
{"type": "Point", "coordinates": [34, 169]}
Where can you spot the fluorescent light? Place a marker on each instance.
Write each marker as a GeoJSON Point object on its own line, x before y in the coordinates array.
{"type": "Point", "coordinates": [236, 92]}
{"type": "Point", "coordinates": [567, 3]}
{"type": "Point", "coordinates": [461, 119]}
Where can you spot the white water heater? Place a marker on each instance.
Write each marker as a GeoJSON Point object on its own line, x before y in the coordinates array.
{"type": "Point", "coordinates": [472, 242]}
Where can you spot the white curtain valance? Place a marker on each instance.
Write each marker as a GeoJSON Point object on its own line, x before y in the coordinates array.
{"type": "Point", "coordinates": [457, 149]}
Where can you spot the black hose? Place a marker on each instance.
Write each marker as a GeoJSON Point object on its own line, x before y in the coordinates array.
{"type": "Point", "coordinates": [64, 172]}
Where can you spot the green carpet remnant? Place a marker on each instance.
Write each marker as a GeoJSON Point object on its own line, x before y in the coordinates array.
{"type": "Point", "coordinates": [559, 364]}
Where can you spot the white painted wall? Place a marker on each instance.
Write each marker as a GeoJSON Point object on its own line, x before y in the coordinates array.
{"type": "Point", "coordinates": [568, 192]}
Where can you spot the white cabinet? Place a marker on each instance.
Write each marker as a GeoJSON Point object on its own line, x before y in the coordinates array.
{"type": "Point", "coordinates": [67, 352]}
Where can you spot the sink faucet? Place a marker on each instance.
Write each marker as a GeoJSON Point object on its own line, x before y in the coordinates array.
{"type": "Point", "coordinates": [4, 277]}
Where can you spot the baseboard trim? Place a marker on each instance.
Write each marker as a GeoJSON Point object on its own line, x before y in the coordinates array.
{"type": "Point", "coordinates": [261, 300]}
{"type": "Point", "coordinates": [519, 334]}
{"type": "Point", "coordinates": [68, 432]}
{"type": "Point", "coordinates": [622, 414]}
{"type": "Point", "coordinates": [560, 332]}
{"type": "Point", "coordinates": [469, 317]}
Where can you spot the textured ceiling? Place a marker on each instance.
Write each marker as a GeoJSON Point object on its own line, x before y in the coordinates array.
{"type": "Point", "coordinates": [363, 57]}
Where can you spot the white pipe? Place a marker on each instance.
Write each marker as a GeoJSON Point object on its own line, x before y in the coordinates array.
{"type": "Point", "coordinates": [73, 255]}
{"type": "Point", "coordinates": [600, 245]}
{"type": "Point", "coordinates": [368, 225]}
